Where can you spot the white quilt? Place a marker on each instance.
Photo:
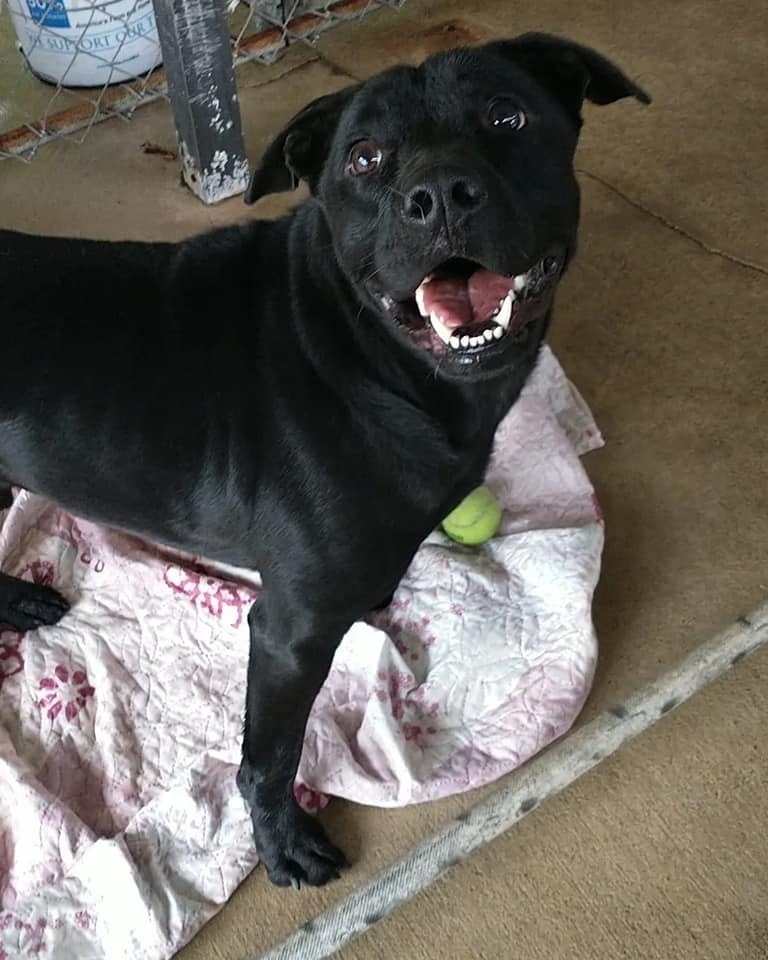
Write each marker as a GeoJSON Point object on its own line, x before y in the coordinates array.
{"type": "Point", "coordinates": [121, 830]}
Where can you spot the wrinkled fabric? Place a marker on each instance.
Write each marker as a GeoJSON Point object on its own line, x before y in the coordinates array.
{"type": "Point", "coordinates": [121, 830]}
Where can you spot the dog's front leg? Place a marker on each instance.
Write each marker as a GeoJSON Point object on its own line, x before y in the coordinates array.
{"type": "Point", "coordinates": [289, 660]}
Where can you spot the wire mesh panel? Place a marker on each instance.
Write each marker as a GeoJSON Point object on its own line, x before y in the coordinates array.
{"type": "Point", "coordinates": [263, 28]}
{"type": "Point", "coordinates": [64, 64]}
{"type": "Point", "coordinates": [67, 64]}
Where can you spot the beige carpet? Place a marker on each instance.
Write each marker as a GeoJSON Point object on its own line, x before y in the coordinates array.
{"type": "Point", "coordinates": [662, 850]}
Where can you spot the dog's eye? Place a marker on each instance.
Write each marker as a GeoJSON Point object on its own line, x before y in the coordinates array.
{"type": "Point", "coordinates": [364, 157]}
{"type": "Point", "coordinates": [506, 113]}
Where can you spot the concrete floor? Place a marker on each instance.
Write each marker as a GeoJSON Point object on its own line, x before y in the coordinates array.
{"type": "Point", "coordinates": [662, 850]}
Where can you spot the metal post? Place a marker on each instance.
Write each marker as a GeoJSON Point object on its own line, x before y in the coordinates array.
{"type": "Point", "coordinates": [197, 56]}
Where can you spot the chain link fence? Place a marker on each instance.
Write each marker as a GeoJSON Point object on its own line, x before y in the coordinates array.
{"type": "Point", "coordinates": [68, 64]}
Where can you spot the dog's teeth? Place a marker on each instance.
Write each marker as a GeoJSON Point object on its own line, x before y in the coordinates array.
{"type": "Point", "coordinates": [465, 341]}
{"type": "Point", "coordinates": [521, 281]}
{"type": "Point", "coordinates": [387, 302]}
{"type": "Point", "coordinates": [498, 333]}
{"type": "Point", "coordinates": [455, 343]}
{"type": "Point", "coordinates": [505, 312]}
{"type": "Point", "coordinates": [439, 327]}
{"type": "Point", "coordinates": [488, 335]}
{"type": "Point", "coordinates": [419, 297]}
{"type": "Point", "coordinates": [475, 341]}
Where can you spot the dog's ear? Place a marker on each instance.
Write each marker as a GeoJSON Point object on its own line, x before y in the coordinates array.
{"type": "Point", "coordinates": [568, 70]}
{"type": "Point", "coordinates": [299, 150]}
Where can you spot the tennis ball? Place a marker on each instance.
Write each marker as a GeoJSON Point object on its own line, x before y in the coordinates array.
{"type": "Point", "coordinates": [475, 520]}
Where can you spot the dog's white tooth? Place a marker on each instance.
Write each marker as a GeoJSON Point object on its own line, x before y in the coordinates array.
{"type": "Point", "coordinates": [455, 342]}
{"type": "Point", "coordinates": [488, 335]}
{"type": "Point", "coordinates": [498, 333]}
{"type": "Point", "coordinates": [419, 297]}
{"type": "Point", "coordinates": [473, 341]}
{"type": "Point", "coordinates": [504, 314]}
{"type": "Point", "coordinates": [439, 327]}
{"type": "Point", "coordinates": [465, 341]}
{"type": "Point", "coordinates": [520, 281]}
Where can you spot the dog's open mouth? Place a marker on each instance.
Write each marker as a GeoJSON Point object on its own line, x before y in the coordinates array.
{"type": "Point", "coordinates": [462, 308]}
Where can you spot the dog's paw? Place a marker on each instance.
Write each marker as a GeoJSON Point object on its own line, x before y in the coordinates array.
{"type": "Point", "coordinates": [290, 843]}
{"type": "Point", "coordinates": [295, 850]}
{"type": "Point", "coordinates": [27, 606]}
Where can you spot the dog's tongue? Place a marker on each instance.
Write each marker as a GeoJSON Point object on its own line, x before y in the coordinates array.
{"type": "Point", "coordinates": [462, 303]}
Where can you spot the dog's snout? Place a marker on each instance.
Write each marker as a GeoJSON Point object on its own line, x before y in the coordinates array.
{"type": "Point", "coordinates": [455, 195]}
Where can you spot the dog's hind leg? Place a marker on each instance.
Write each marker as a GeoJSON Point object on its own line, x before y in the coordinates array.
{"type": "Point", "coordinates": [26, 606]}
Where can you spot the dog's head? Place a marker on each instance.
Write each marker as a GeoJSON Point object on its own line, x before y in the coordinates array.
{"type": "Point", "coordinates": [449, 189]}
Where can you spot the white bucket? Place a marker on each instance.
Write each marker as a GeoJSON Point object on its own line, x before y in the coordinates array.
{"type": "Point", "coordinates": [87, 43]}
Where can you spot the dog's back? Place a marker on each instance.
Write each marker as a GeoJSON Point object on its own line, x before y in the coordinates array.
{"type": "Point", "coordinates": [110, 372]}
{"type": "Point", "coordinates": [50, 277]}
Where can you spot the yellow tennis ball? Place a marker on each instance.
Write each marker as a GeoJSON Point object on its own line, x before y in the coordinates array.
{"type": "Point", "coordinates": [475, 520]}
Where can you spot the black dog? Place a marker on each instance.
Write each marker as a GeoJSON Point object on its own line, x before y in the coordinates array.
{"type": "Point", "coordinates": [286, 394]}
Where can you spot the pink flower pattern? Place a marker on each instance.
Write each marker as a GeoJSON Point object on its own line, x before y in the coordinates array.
{"type": "Point", "coordinates": [11, 659]}
{"type": "Point", "coordinates": [308, 799]}
{"type": "Point", "coordinates": [211, 594]}
{"type": "Point", "coordinates": [39, 571]}
{"type": "Point", "coordinates": [65, 690]}
{"type": "Point", "coordinates": [421, 712]}
{"type": "Point", "coordinates": [410, 635]}
{"type": "Point", "coordinates": [29, 938]}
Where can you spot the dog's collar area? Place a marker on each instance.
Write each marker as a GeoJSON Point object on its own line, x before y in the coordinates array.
{"type": "Point", "coordinates": [462, 309]}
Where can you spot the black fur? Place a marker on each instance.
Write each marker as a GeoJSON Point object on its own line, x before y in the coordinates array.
{"type": "Point", "coordinates": [248, 395]}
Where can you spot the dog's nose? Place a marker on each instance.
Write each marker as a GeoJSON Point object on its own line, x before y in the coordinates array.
{"type": "Point", "coordinates": [457, 195]}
